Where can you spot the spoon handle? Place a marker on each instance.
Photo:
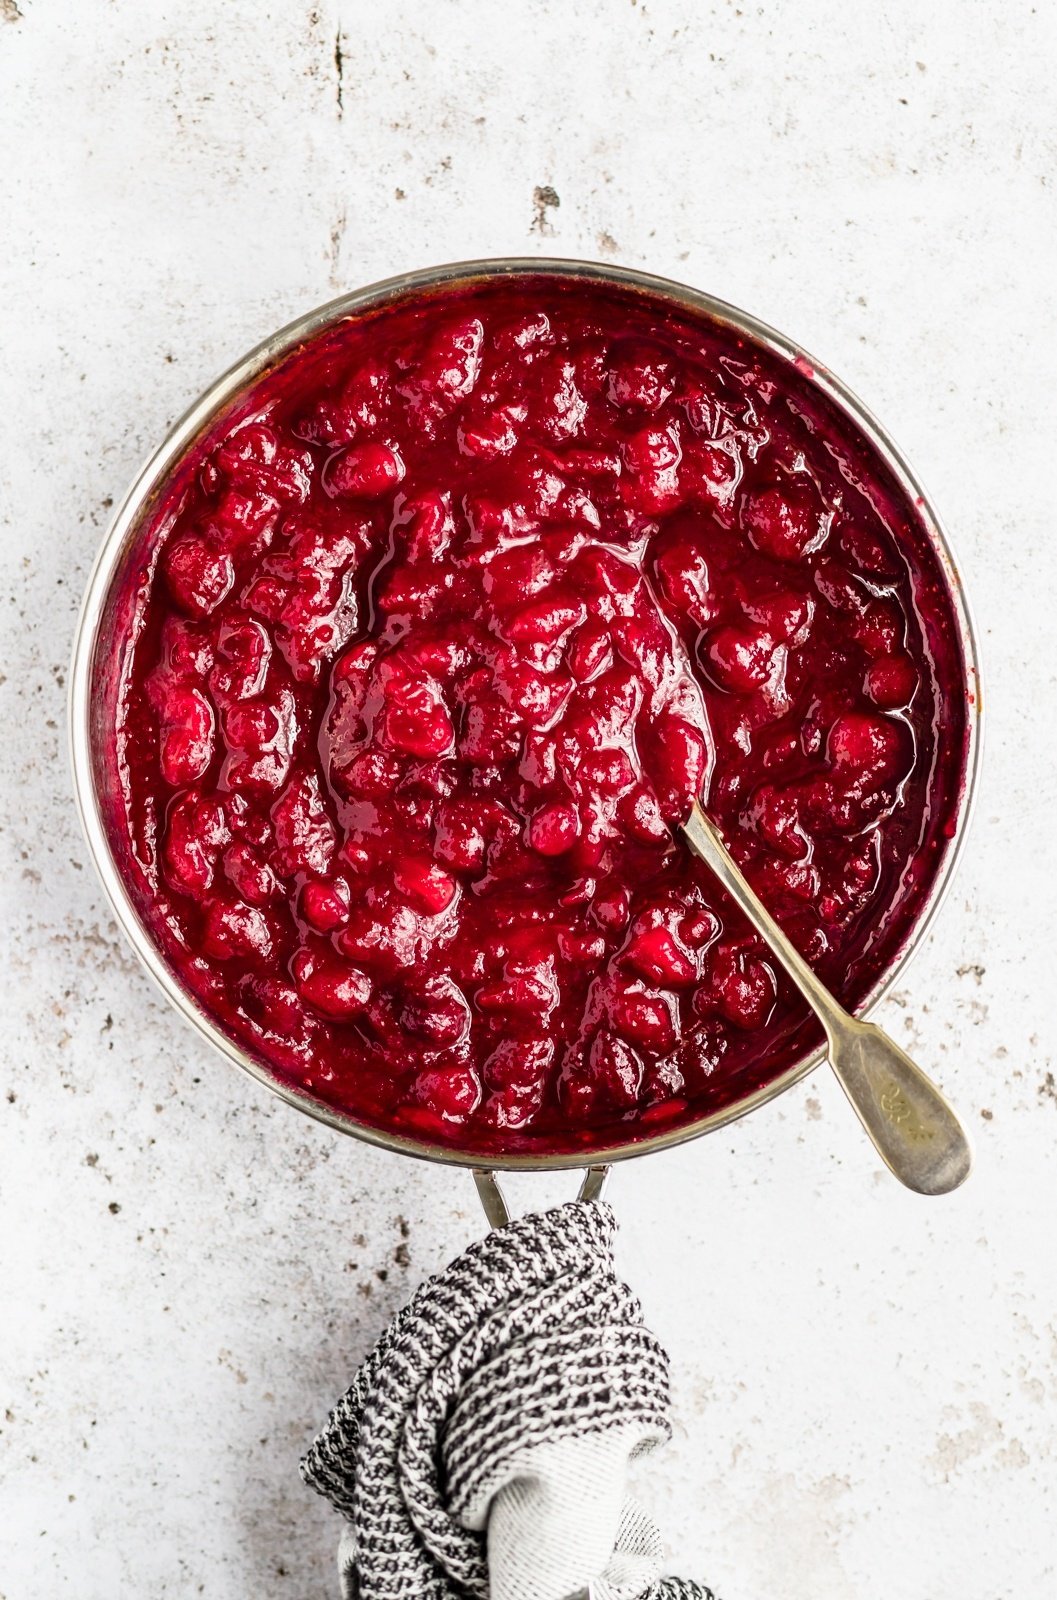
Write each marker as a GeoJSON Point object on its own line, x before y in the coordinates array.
{"type": "Point", "coordinates": [912, 1126]}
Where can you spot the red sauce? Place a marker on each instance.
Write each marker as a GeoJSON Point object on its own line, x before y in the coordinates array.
{"type": "Point", "coordinates": [436, 635]}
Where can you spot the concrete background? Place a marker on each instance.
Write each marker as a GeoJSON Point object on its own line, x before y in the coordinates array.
{"type": "Point", "coordinates": [866, 1384]}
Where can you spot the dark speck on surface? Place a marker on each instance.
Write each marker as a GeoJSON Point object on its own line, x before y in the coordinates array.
{"type": "Point", "coordinates": [339, 68]}
{"type": "Point", "coordinates": [544, 200]}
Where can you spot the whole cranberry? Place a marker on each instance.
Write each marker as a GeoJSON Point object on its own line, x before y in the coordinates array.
{"type": "Point", "coordinates": [519, 1063]}
{"type": "Point", "coordinates": [198, 575]}
{"type": "Point", "coordinates": [187, 737]}
{"type": "Point", "coordinates": [304, 834]}
{"type": "Point", "coordinates": [786, 614]}
{"type": "Point", "coordinates": [196, 831]}
{"type": "Point", "coordinates": [452, 363]}
{"type": "Point", "coordinates": [862, 743]}
{"type": "Point", "coordinates": [435, 1008]}
{"type": "Point", "coordinates": [364, 472]}
{"type": "Point", "coordinates": [782, 522]}
{"type": "Point", "coordinates": [741, 657]}
{"type": "Point", "coordinates": [611, 909]}
{"type": "Point", "coordinates": [639, 378]}
{"type": "Point", "coordinates": [880, 629]}
{"type": "Point", "coordinates": [615, 1069]}
{"type": "Point", "coordinates": [645, 1018]}
{"type": "Point", "coordinates": [416, 720]}
{"type": "Point", "coordinates": [554, 829]}
{"type": "Point", "coordinates": [333, 988]}
{"type": "Point", "coordinates": [683, 575]}
{"type": "Point", "coordinates": [742, 986]}
{"type": "Point", "coordinates": [428, 887]}
{"type": "Point", "coordinates": [891, 682]}
{"type": "Point", "coordinates": [451, 1093]}
{"type": "Point", "coordinates": [325, 904]}
{"type": "Point", "coordinates": [642, 817]}
{"type": "Point", "coordinates": [233, 930]}
{"type": "Point", "coordinates": [652, 458]}
{"type": "Point", "coordinates": [590, 652]}
{"type": "Point", "coordinates": [679, 754]}
{"type": "Point", "coordinates": [462, 829]}
{"type": "Point", "coordinates": [243, 651]}
{"type": "Point", "coordinates": [250, 874]}
{"type": "Point", "coordinates": [659, 955]}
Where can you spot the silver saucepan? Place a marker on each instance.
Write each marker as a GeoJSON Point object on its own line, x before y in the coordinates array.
{"type": "Point", "coordinates": [98, 638]}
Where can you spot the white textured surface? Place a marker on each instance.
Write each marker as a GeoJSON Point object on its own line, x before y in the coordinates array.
{"type": "Point", "coordinates": [866, 1383]}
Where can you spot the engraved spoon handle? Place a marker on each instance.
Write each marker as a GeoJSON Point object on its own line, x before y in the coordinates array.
{"type": "Point", "coordinates": [912, 1126]}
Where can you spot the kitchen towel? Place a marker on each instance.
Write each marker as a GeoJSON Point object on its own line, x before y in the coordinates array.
{"type": "Point", "coordinates": [482, 1448]}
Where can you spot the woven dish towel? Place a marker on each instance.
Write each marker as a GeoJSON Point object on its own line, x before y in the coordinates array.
{"type": "Point", "coordinates": [482, 1448]}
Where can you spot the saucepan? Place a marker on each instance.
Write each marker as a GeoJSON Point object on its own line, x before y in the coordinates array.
{"type": "Point", "coordinates": [102, 639]}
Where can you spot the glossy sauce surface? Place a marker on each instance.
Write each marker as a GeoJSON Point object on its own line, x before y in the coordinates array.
{"type": "Point", "coordinates": [437, 635]}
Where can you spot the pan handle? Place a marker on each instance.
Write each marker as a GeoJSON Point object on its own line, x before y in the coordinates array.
{"type": "Point", "coordinates": [493, 1199]}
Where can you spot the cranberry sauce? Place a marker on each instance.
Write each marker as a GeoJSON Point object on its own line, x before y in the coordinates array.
{"type": "Point", "coordinates": [436, 636]}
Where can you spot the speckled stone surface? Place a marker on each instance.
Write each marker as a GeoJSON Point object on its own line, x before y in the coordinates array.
{"type": "Point", "coordinates": [865, 1383]}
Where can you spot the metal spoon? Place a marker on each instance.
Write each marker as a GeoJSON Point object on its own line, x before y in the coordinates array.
{"type": "Point", "coordinates": [912, 1126]}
